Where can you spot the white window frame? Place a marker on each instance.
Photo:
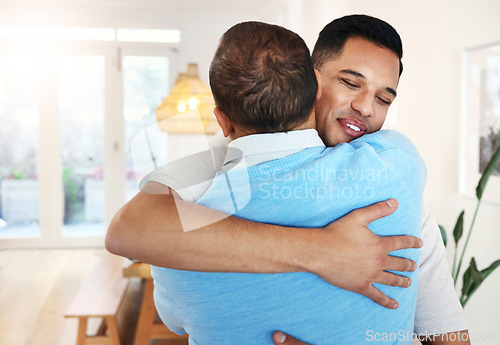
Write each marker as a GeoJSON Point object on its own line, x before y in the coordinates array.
{"type": "Point", "coordinates": [49, 162]}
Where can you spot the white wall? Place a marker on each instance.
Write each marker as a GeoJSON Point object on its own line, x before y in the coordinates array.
{"type": "Point", "coordinates": [201, 30]}
{"type": "Point", "coordinates": [428, 111]}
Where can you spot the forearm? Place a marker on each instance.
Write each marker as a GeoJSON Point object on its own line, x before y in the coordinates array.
{"type": "Point", "coordinates": [150, 229]}
{"type": "Point", "coordinates": [345, 253]}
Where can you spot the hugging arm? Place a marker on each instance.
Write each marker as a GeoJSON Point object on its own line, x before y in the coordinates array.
{"type": "Point", "coordinates": [345, 253]}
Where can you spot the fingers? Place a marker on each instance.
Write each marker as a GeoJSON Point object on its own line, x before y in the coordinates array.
{"type": "Point", "coordinates": [380, 298]}
{"type": "Point", "coordinates": [392, 279]}
{"type": "Point", "coordinates": [378, 210]}
{"type": "Point", "coordinates": [395, 263]}
{"type": "Point", "coordinates": [402, 242]}
{"type": "Point", "coordinates": [281, 338]}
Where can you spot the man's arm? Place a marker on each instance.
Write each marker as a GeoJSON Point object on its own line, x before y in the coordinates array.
{"type": "Point", "coordinates": [345, 253]}
{"type": "Point", "coordinates": [438, 308]}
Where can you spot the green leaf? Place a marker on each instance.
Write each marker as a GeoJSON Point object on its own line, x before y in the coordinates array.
{"type": "Point", "coordinates": [487, 271]}
{"type": "Point", "coordinates": [490, 167]}
{"type": "Point", "coordinates": [459, 227]}
{"type": "Point", "coordinates": [443, 235]}
{"type": "Point", "coordinates": [472, 278]}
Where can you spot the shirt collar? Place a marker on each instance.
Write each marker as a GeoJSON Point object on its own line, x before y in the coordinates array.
{"type": "Point", "coordinates": [258, 148]}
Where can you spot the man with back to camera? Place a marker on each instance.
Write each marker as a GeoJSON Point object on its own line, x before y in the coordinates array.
{"type": "Point", "coordinates": [373, 86]}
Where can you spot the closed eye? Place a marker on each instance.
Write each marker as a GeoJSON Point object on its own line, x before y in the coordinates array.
{"type": "Point", "coordinates": [348, 83]}
{"type": "Point", "coordinates": [385, 101]}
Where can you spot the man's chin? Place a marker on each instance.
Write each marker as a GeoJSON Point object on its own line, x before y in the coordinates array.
{"type": "Point", "coordinates": [339, 136]}
{"type": "Point", "coordinates": [333, 141]}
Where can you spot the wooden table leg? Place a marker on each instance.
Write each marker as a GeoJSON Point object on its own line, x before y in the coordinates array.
{"type": "Point", "coordinates": [146, 315]}
{"type": "Point", "coordinates": [147, 328]}
{"type": "Point", "coordinates": [114, 335]}
{"type": "Point", "coordinates": [82, 331]}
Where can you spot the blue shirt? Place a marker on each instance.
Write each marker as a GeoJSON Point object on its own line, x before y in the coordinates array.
{"type": "Point", "coordinates": [308, 189]}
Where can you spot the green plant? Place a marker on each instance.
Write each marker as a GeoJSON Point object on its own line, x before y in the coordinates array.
{"type": "Point", "coordinates": [472, 277]}
{"type": "Point", "coordinates": [73, 196]}
{"type": "Point", "coordinates": [70, 187]}
{"type": "Point", "coordinates": [17, 174]}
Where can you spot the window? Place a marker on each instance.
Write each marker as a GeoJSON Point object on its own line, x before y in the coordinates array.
{"type": "Point", "coordinates": [19, 187]}
{"type": "Point", "coordinates": [82, 101]}
{"type": "Point", "coordinates": [145, 82]}
{"type": "Point", "coordinates": [81, 112]}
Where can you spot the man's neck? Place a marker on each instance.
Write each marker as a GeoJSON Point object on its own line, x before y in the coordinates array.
{"type": "Point", "coordinates": [239, 132]}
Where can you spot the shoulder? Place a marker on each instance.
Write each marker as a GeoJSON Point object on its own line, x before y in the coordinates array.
{"type": "Point", "coordinates": [385, 140]}
{"type": "Point", "coordinates": [392, 144]}
{"type": "Point", "coordinates": [375, 144]}
{"type": "Point", "coordinates": [385, 149]}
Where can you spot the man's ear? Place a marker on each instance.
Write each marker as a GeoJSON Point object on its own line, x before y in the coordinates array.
{"type": "Point", "coordinates": [223, 121]}
{"type": "Point", "coordinates": [318, 78]}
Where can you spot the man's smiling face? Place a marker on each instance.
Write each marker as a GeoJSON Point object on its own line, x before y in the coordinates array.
{"type": "Point", "coordinates": [357, 89]}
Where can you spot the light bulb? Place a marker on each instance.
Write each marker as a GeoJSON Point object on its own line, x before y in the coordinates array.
{"type": "Point", "coordinates": [193, 103]}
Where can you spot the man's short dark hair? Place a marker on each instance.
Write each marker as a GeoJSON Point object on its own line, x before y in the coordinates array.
{"type": "Point", "coordinates": [333, 37]}
{"type": "Point", "coordinates": [262, 77]}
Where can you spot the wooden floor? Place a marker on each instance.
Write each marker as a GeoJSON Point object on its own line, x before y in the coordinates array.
{"type": "Point", "coordinates": [36, 287]}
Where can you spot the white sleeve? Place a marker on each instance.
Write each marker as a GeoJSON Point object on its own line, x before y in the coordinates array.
{"type": "Point", "coordinates": [438, 307]}
{"type": "Point", "coordinates": [192, 175]}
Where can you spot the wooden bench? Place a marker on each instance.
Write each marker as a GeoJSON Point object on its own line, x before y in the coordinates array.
{"type": "Point", "coordinates": [100, 297]}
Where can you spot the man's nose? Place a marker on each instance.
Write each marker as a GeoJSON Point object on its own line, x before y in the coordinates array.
{"type": "Point", "coordinates": [363, 104]}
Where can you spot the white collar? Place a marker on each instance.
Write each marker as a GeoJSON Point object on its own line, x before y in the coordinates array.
{"type": "Point", "coordinates": [254, 149]}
